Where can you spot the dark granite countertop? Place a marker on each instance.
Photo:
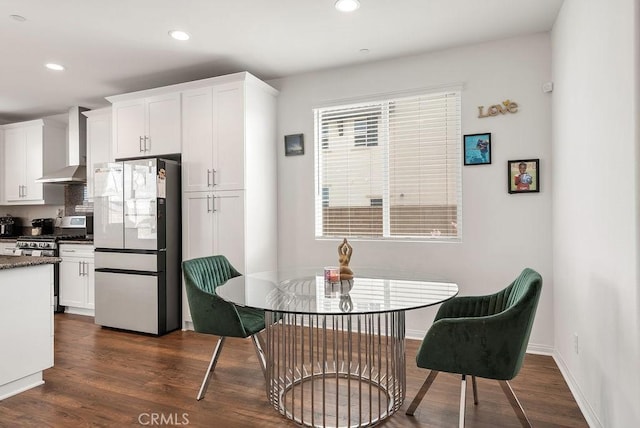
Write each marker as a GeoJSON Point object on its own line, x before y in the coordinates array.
{"type": "Point", "coordinates": [10, 262]}
{"type": "Point", "coordinates": [9, 239]}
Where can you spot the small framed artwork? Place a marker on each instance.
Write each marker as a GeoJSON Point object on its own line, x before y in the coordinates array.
{"type": "Point", "coordinates": [477, 149]}
{"type": "Point", "coordinates": [294, 144]}
{"type": "Point", "coordinates": [524, 175]}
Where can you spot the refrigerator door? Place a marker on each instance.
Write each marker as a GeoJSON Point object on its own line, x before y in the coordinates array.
{"type": "Point", "coordinates": [140, 204]}
{"type": "Point", "coordinates": [108, 205]}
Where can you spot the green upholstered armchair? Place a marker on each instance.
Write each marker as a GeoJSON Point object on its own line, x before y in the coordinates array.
{"type": "Point", "coordinates": [483, 336]}
{"type": "Point", "coordinates": [213, 315]}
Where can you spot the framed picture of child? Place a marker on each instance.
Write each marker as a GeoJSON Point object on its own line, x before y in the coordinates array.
{"type": "Point", "coordinates": [524, 175]}
{"type": "Point", "coordinates": [477, 149]}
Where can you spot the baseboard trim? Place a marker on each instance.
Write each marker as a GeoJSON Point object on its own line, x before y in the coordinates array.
{"type": "Point", "coordinates": [586, 409]}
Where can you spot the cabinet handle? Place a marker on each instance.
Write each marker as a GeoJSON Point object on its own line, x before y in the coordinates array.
{"type": "Point", "coordinates": [147, 149]}
{"type": "Point", "coordinates": [79, 268]}
{"type": "Point", "coordinates": [208, 178]}
{"type": "Point", "coordinates": [213, 204]}
{"type": "Point", "coordinates": [213, 177]}
{"type": "Point", "coordinates": [208, 203]}
{"type": "Point", "coordinates": [24, 191]}
{"type": "Point", "coordinates": [140, 144]}
{"type": "Point", "coordinates": [19, 190]}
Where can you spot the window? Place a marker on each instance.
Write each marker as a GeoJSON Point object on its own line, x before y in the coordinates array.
{"type": "Point", "coordinates": [408, 151]}
{"type": "Point", "coordinates": [365, 131]}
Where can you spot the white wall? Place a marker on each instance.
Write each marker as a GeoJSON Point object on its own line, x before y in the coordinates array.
{"type": "Point", "coordinates": [502, 233]}
{"type": "Point", "coordinates": [595, 215]}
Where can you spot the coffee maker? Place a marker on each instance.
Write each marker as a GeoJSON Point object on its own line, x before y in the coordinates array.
{"type": "Point", "coordinates": [42, 226]}
{"type": "Point", "coordinates": [10, 226]}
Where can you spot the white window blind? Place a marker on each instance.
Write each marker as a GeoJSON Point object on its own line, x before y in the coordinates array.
{"type": "Point", "coordinates": [389, 169]}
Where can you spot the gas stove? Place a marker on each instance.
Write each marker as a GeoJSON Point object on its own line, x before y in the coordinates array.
{"type": "Point", "coordinates": [44, 245]}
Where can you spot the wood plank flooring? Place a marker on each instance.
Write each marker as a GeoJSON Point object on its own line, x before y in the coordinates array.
{"type": "Point", "coordinates": [109, 378]}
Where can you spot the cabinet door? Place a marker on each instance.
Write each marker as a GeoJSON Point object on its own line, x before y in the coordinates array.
{"type": "Point", "coordinates": [228, 138]}
{"type": "Point", "coordinates": [33, 169]}
{"type": "Point", "coordinates": [197, 140]}
{"type": "Point", "coordinates": [163, 125]}
{"type": "Point", "coordinates": [128, 129]}
{"type": "Point", "coordinates": [90, 284]}
{"type": "Point", "coordinates": [15, 141]}
{"type": "Point", "coordinates": [72, 283]}
{"type": "Point", "coordinates": [197, 220]}
{"type": "Point", "coordinates": [228, 227]}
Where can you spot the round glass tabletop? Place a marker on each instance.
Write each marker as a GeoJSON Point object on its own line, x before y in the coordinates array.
{"type": "Point", "coordinates": [305, 291]}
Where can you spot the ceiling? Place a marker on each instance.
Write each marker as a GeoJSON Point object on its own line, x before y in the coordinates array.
{"type": "Point", "coordinates": [118, 46]}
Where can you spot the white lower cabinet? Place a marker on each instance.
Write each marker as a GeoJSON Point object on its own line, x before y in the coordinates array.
{"type": "Point", "coordinates": [213, 223]}
{"type": "Point", "coordinates": [6, 248]}
{"type": "Point", "coordinates": [77, 278]}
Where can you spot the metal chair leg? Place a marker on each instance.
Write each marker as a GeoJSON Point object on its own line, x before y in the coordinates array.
{"type": "Point", "coordinates": [211, 368]}
{"type": "Point", "coordinates": [463, 399]}
{"type": "Point", "coordinates": [475, 390]}
{"type": "Point", "coordinates": [258, 344]}
{"type": "Point", "coordinates": [515, 404]}
{"type": "Point", "coordinates": [423, 390]}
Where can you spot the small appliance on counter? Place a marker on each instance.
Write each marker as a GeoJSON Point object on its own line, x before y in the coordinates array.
{"type": "Point", "coordinates": [10, 226]}
{"type": "Point", "coordinates": [42, 226]}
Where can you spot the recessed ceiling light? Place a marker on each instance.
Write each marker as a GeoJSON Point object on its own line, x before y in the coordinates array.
{"type": "Point", "coordinates": [18, 18]}
{"type": "Point", "coordinates": [179, 35]}
{"type": "Point", "coordinates": [347, 5]}
{"type": "Point", "coordinates": [54, 66]}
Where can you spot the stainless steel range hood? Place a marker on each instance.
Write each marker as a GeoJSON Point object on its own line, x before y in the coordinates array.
{"type": "Point", "coordinates": [76, 171]}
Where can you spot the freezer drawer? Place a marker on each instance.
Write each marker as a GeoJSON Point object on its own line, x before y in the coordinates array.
{"type": "Point", "coordinates": [127, 301]}
{"type": "Point", "coordinates": [127, 261]}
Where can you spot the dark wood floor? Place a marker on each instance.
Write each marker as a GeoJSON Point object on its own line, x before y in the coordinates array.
{"type": "Point", "coordinates": [104, 377]}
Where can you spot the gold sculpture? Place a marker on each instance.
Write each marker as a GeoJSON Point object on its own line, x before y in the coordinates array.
{"type": "Point", "coordinates": [344, 257]}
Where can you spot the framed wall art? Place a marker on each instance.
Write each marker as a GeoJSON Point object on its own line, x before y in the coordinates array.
{"type": "Point", "coordinates": [294, 145]}
{"type": "Point", "coordinates": [524, 175]}
{"type": "Point", "coordinates": [477, 149]}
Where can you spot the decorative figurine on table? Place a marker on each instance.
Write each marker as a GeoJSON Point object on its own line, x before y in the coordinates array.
{"type": "Point", "coordinates": [344, 257]}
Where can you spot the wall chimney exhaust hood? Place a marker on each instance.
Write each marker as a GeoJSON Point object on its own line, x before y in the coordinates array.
{"type": "Point", "coordinates": [76, 171]}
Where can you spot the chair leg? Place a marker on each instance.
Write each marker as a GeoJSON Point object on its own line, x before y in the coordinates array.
{"type": "Point", "coordinates": [258, 344]}
{"type": "Point", "coordinates": [475, 390]}
{"type": "Point", "coordinates": [463, 400]}
{"type": "Point", "coordinates": [211, 368]}
{"type": "Point", "coordinates": [423, 390]}
{"type": "Point", "coordinates": [515, 404]}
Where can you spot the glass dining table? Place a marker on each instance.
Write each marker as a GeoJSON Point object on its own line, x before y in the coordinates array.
{"type": "Point", "coordinates": [335, 351]}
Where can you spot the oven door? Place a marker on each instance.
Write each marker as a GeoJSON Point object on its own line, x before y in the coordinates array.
{"type": "Point", "coordinates": [32, 252]}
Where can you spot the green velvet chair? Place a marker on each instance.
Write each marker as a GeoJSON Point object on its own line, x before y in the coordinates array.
{"type": "Point", "coordinates": [213, 315]}
{"type": "Point", "coordinates": [484, 336]}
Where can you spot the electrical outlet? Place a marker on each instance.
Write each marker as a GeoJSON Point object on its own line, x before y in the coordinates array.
{"type": "Point", "coordinates": [576, 348]}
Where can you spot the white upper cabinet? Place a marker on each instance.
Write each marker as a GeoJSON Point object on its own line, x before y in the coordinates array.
{"type": "Point", "coordinates": [32, 149]}
{"type": "Point", "coordinates": [149, 126]}
{"type": "Point", "coordinates": [213, 138]}
{"type": "Point", "coordinates": [98, 142]}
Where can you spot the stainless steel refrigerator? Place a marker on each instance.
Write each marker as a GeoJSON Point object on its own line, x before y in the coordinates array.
{"type": "Point", "coordinates": [137, 245]}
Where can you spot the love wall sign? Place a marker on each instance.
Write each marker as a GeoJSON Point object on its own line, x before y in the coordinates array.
{"type": "Point", "coordinates": [507, 106]}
